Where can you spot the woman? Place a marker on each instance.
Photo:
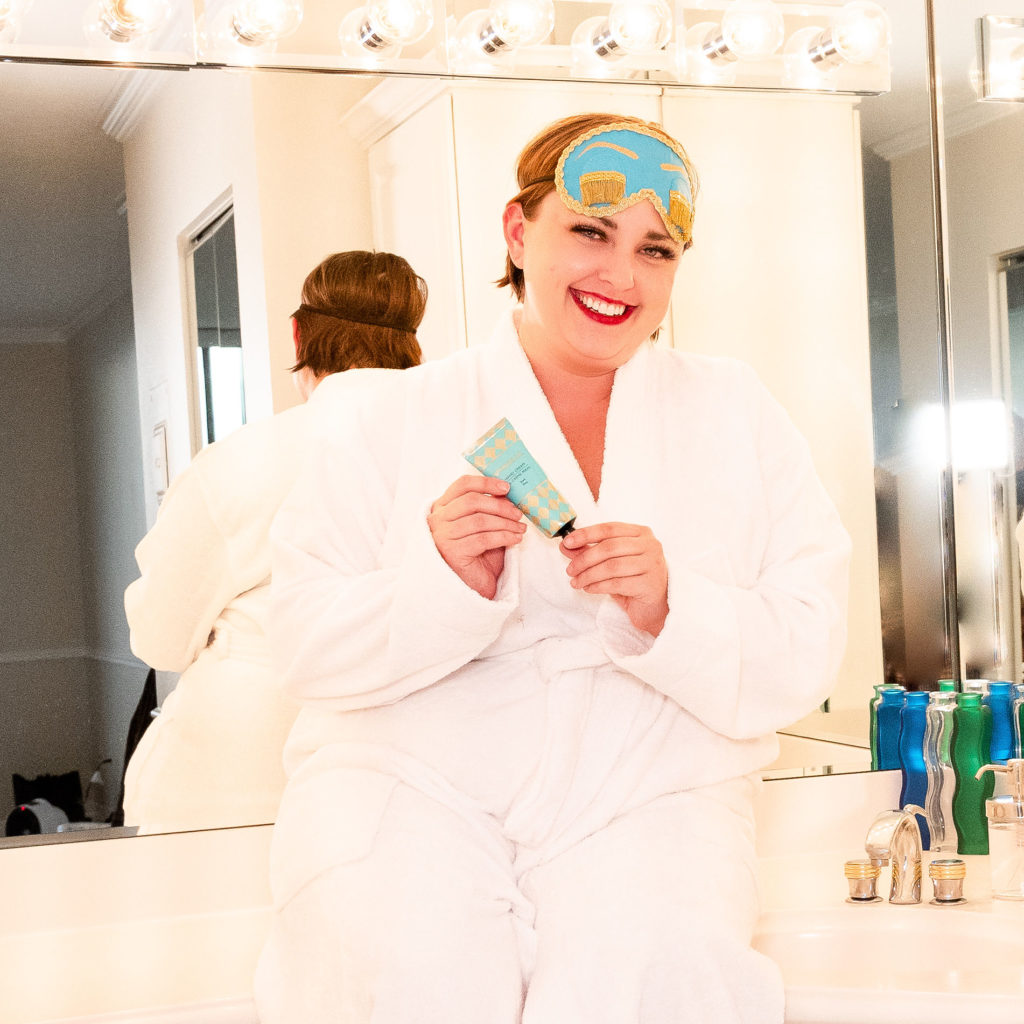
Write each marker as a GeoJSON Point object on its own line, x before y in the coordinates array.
{"type": "Point", "coordinates": [521, 781]}
{"type": "Point", "coordinates": [213, 756]}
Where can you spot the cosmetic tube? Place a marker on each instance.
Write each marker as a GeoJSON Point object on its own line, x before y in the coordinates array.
{"type": "Point", "coordinates": [500, 453]}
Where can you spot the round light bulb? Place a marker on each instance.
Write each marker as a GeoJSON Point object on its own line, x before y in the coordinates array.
{"type": "Point", "coordinates": [400, 21]}
{"type": "Point", "coordinates": [259, 22]}
{"type": "Point", "coordinates": [860, 31]}
{"type": "Point", "coordinates": [640, 26]}
{"type": "Point", "coordinates": [523, 22]}
{"type": "Point", "coordinates": [124, 21]}
{"type": "Point", "coordinates": [753, 29]}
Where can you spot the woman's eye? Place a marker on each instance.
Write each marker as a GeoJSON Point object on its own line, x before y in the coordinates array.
{"type": "Point", "coordinates": [588, 232]}
{"type": "Point", "coordinates": [660, 252]}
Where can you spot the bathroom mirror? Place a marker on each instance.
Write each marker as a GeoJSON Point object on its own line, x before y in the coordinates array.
{"type": "Point", "coordinates": [97, 369]}
{"type": "Point", "coordinates": [980, 48]}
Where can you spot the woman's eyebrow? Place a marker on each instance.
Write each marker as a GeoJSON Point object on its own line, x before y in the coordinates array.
{"type": "Point", "coordinates": [650, 236]}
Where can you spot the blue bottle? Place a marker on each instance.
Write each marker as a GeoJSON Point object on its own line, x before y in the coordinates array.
{"type": "Point", "coordinates": [889, 709]}
{"type": "Point", "coordinates": [913, 718]}
{"type": "Point", "coordinates": [876, 699]}
{"type": "Point", "coordinates": [1018, 713]}
{"type": "Point", "coordinates": [999, 700]}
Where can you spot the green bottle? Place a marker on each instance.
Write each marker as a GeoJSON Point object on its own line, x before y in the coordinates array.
{"type": "Point", "coordinates": [969, 751]}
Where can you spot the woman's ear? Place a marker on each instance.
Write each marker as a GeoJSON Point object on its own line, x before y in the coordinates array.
{"type": "Point", "coordinates": [295, 336]}
{"type": "Point", "coordinates": [513, 223]}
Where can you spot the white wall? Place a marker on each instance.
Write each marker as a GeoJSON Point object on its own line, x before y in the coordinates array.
{"type": "Point", "coordinates": [777, 278]}
{"type": "Point", "coordinates": [313, 188]}
{"type": "Point", "coordinates": [299, 187]}
{"type": "Point", "coordinates": [193, 146]}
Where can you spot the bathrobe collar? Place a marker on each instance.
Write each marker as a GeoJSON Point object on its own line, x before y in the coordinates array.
{"type": "Point", "coordinates": [628, 436]}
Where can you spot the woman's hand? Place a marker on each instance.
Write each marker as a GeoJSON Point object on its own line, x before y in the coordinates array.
{"type": "Point", "coordinates": [472, 524]}
{"type": "Point", "coordinates": [625, 561]}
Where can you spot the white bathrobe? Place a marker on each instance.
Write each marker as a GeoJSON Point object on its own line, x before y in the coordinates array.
{"type": "Point", "coordinates": [517, 756]}
{"type": "Point", "coordinates": [213, 756]}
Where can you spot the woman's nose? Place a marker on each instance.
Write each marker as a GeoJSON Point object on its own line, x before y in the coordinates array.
{"type": "Point", "coordinates": [618, 268]}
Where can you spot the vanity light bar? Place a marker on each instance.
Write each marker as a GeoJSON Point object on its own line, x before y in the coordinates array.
{"type": "Point", "coordinates": [697, 43]}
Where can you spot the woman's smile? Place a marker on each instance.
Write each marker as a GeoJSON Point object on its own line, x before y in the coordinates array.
{"type": "Point", "coordinates": [604, 311]}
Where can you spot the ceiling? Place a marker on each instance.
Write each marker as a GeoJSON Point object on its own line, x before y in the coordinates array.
{"type": "Point", "coordinates": [63, 234]}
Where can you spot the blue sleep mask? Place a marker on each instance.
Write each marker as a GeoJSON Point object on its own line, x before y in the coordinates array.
{"type": "Point", "coordinates": [616, 165]}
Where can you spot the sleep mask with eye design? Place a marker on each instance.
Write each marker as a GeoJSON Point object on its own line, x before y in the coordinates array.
{"type": "Point", "coordinates": [617, 165]}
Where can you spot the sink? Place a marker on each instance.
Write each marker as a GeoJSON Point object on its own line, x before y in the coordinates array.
{"type": "Point", "coordinates": [887, 964]}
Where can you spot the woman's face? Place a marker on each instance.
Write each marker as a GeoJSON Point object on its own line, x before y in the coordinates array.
{"type": "Point", "coordinates": [596, 287]}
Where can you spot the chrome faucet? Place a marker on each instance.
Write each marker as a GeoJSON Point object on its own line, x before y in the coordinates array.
{"type": "Point", "coordinates": [896, 836]}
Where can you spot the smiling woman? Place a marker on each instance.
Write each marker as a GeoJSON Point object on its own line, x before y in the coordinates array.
{"type": "Point", "coordinates": [498, 719]}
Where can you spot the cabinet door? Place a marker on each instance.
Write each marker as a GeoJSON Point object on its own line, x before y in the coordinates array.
{"type": "Point", "coordinates": [777, 277]}
{"type": "Point", "coordinates": [416, 215]}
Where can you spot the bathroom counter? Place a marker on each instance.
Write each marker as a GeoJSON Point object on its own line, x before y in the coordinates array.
{"type": "Point", "coordinates": [879, 962]}
{"type": "Point", "coordinates": [167, 929]}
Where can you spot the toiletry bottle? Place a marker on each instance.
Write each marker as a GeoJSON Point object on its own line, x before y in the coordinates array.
{"type": "Point", "coordinates": [1018, 725]}
{"type": "Point", "coordinates": [999, 700]}
{"type": "Point", "coordinates": [889, 709]}
{"type": "Point", "coordinates": [1006, 833]}
{"type": "Point", "coordinates": [941, 780]}
{"type": "Point", "coordinates": [969, 749]}
{"type": "Point", "coordinates": [914, 790]}
{"type": "Point", "coordinates": [873, 718]}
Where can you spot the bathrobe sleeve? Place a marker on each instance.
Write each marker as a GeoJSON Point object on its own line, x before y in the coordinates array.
{"type": "Point", "coordinates": [210, 543]}
{"type": "Point", "coordinates": [749, 659]}
{"type": "Point", "coordinates": [364, 609]}
{"type": "Point", "coordinates": [188, 569]}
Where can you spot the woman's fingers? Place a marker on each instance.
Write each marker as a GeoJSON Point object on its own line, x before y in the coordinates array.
{"type": "Point", "coordinates": [625, 561]}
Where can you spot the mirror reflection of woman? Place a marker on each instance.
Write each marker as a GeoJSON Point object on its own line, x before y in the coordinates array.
{"type": "Point", "coordinates": [213, 756]}
{"type": "Point", "coordinates": [521, 783]}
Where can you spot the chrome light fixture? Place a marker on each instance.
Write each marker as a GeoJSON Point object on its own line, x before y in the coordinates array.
{"type": "Point", "coordinates": [383, 27]}
{"type": "Point", "coordinates": [243, 31]}
{"type": "Point", "coordinates": [635, 27]}
{"type": "Point", "coordinates": [492, 35]}
{"type": "Point", "coordinates": [750, 30]}
{"type": "Point", "coordinates": [125, 22]}
{"type": "Point", "coordinates": [859, 34]}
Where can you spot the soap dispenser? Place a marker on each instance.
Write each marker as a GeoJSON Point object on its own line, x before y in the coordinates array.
{"type": "Point", "coordinates": [1006, 832]}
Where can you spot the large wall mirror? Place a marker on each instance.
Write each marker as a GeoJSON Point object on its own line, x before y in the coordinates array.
{"type": "Point", "coordinates": [816, 261]}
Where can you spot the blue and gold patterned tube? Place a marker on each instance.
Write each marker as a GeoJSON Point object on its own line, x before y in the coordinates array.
{"type": "Point", "coordinates": [501, 454]}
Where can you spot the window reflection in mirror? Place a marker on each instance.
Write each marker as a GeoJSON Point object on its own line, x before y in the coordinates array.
{"type": "Point", "coordinates": [219, 396]}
